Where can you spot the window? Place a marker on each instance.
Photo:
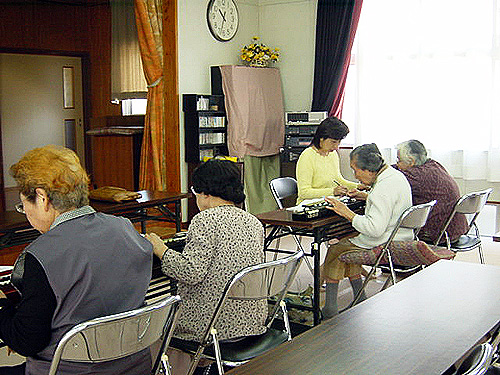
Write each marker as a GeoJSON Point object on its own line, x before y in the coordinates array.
{"type": "Point", "coordinates": [429, 70]}
{"type": "Point", "coordinates": [127, 75]}
{"type": "Point", "coordinates": [134, 106]}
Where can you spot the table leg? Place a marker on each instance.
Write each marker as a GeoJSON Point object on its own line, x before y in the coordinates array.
{"type": "Point", "coordinates": [143, 222]}
{"type": "Point", "coordinates": [316, 262]}
{"type": "Point", "coordinates": [177, 216]}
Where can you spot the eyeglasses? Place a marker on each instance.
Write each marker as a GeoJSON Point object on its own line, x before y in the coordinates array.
{"type": "Point", "coordinates": [193, 191]}
{"type": "Point", "coordinates": [20, 208]}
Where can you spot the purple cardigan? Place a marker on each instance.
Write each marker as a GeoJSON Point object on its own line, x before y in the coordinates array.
{"type": "Point", "coordinates": [431, 181]}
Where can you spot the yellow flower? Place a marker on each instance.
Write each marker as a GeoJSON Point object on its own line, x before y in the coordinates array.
{"type": "Point", "coordinates": [258, 52]}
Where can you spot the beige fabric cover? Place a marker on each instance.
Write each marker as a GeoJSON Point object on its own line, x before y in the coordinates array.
{"type": "Point", "coordinates": [254, 108]}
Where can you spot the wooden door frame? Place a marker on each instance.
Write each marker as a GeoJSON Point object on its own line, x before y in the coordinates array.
{"type": "Point", "coordinates": [171, 95]}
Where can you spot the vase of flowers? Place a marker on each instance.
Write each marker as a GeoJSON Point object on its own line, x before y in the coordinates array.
{"type": "Point", "coordinates": [258, 54]}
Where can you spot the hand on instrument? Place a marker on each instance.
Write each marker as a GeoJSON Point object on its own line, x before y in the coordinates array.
{"type": "Point", "coordinates": [339, 208]}
{"type": "Point", "coordinates": [363, 187]}
{"type": "Point", "coordinates": [357, 194]}
{"type": "Point", "coordinates": [339, 190]}
{"type": "Point", "coordinates": [159, 247]}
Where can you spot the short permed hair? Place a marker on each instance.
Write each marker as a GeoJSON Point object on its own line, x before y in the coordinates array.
{"type": "Point", "coordinates": [332, 128]}
{"type": "Point", "coordinates": [412, 150]}
{"type": "Point", "coordinates": [58, 171]}
{"type": "Point", "coordinates": [219, 178]}
{"type": "Point", "coordinates": [367, 157]}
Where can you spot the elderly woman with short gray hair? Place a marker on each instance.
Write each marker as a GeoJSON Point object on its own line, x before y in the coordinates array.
{"type": "Point", "coordinates": [389, 196]}
{"type": "Point", "coordinates": [429, 180]}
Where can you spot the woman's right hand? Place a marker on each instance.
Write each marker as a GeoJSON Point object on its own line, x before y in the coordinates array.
{"type": "Point", "coordinates": [159, 246]}
{"type": "Point", "coordinates": [339, 190]}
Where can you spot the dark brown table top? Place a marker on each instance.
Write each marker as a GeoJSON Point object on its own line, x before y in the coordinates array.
{"type": "Point", "coordinates": [421, 325]}
{"type": "Point", "coordinates": [148, 199]}
{"type": "Point", "coordinates": [284, 217]}
{"type": "Point", "coordinates": [13, 221]}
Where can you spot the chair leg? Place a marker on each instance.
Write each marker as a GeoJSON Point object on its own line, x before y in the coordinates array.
{"type": "Point", "coordinates": [195, 360]}
{"type": "Point", "coordinates": [391, 267]}
{"type": "Point", "coordinates": [218, 355]}
{"type": "Point", "coordinates": [285, 319]}
{"type": "Point", "coordinates": [481, 256]}
{"type": "Point", "coordinates": [164, 365]}
{"type": "Point", "coordinates": [299, 247]}
{"type": "Point", "coordinates": [365, 282]}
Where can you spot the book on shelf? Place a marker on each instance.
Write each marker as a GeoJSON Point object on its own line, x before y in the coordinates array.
{"type": "Point", "coordinates": [211, 122]}
{"type": "Point", "coordinates": [212, 138]}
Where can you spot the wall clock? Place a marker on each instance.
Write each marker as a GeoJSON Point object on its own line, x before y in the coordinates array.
{"type": "Point", "coordinates": [222, 19]}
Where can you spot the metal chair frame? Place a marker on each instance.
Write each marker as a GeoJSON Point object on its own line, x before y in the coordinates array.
{"type": "Point", "coordinates": [471, 203]}
{"type": "Point", "coordinates": [258, 282]}
{"type": "Point", "coordinates": [281, 188]}
{"type": "Point", "coordinates": [120, 335]}
{"type": "Point", "coordinates": [413, 217]}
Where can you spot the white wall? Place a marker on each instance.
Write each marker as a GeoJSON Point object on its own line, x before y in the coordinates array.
{"type": "Point", "coordinates": [290, 25]}
{"type": "Point", "coordinates": [286, 24]}
{"type": "Point", "coordinates": [31, 104]}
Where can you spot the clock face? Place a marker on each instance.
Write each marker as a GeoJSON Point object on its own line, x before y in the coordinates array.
{"type": "Point", "coordinates": [222, 18]}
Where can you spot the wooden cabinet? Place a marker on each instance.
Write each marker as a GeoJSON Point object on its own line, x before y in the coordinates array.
{"type": "Point", "coordinates": [116, 153]}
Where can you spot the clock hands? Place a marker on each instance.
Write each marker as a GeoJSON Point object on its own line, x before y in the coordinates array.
{"type": "Point", "coordinates": [223, 19]}
{"type": "Point", "coordinates": [223, 15]}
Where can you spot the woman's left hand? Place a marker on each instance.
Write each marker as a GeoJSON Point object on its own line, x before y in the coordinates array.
{"type": "Point", "coordinates": [159, 246]}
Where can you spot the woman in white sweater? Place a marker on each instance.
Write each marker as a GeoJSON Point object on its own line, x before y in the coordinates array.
{"type": "Point", "coordinates": [389, 196]}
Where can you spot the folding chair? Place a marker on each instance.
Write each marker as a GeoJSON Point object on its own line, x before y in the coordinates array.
{"type": "Point", "coordinates": [413, 217]}
{"type": "Point", "coordinates": [258, 282]}
{"type": "Point", "coordinates": [281, 188]}
{"type": "Point", "coordinates": [120, 335]}
{"type": "Point", "coordinates": [478, 361]}
{"type": "Point", "coordinates": [471, 203]}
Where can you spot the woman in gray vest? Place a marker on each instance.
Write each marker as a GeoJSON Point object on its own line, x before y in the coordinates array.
{"type": "Point", "coordinates": [66, 277]}
{"type": "Point", "coordinates": [221, 240]}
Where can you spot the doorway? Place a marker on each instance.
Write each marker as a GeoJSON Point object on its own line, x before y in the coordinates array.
{"type": "Point", "coordinates": [41, 103]}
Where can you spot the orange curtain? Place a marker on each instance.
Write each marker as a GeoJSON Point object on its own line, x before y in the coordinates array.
{"type": "Point", "coordinates": [153, 169]}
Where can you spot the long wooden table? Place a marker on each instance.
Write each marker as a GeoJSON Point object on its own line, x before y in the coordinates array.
{"type": "Point", "coordinates": [281, 224]}
{"type": "Point", "coordinates": [421, 325]}
{"type": "Point", "coordinates": [15, 228]}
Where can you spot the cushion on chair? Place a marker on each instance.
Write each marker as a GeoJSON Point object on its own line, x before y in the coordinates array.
{"type": "Point", "coordinates": [238, 351]}
{"type": "Point", "coordinates": [403, 253]}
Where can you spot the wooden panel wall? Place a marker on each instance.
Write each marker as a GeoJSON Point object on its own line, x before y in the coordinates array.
{"type": "Point", "coordinates": [83, 28]}
{"type": "Point", "coordinates": [72, 27]}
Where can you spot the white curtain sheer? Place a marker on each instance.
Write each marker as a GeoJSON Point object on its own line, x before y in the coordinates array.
{"type": "Point", "coordinates": [430, 70]}
{"type": "Point", "coordinates": [127, 74]}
